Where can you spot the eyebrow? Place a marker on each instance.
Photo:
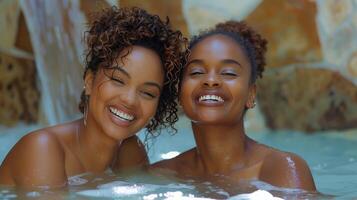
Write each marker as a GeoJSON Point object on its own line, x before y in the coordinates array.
{"type": "Point", "coordinates": [231, 61]}
{"type": "Point", "coordinates": [224, 61]}
{"type": "Point", "coordinates": [122, 70]}
{"type": "Point", "coordinates": [195, 61]}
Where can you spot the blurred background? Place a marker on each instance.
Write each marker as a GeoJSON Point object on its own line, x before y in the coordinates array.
{"type": "Point", "coordinates": [307, 99]}
{"type": "Point", "coordinates": [309, 84]}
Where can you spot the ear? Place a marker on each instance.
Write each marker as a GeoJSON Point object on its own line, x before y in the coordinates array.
{"type": "Point", "coordinates": [88, 82]}
{"type": "Point", "coordinates": [251, 96]}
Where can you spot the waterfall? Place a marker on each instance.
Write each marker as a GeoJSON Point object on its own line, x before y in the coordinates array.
{"type": "Point", "coordinates": [56, 29]}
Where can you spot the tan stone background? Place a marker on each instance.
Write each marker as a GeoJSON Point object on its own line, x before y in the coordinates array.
{"type": "Point", "coordinates": [309, 85]}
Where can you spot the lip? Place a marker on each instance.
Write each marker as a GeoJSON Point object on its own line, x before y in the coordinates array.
{"type": "Point", "coordinates": [210, 103]}
{"type": "Point", "coordinates": [117, 120]}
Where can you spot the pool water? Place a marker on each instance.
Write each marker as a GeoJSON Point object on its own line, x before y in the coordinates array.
{"type": "Point", "coordinates": [332, 157]}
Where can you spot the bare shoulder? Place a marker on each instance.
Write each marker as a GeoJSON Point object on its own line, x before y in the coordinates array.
{"type": "Point", "coordinates": [284, 169]}
{"type": "Point", "coordinates": [131, 154]}
{"type": "Point", "coordinates": [180, 164]}
{"type": "Point", "coordinates": [37, 159]}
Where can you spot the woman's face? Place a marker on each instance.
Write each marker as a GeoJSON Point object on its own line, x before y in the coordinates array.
{"type": "Point", "coordinates": [124, 99]}
{"type": "Point", "coordinates": [215, 88]}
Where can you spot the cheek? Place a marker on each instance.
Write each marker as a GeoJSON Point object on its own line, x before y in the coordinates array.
{"type": "Point", "coordinates": [185, 94]}
{"type": "Point", "coordinates": [102, 88]}
{"type": "Point", "coordinates": [97, 95]}
{"type": "Point", "coordinates": [240, 93]}
{"type": "Point", "coordinates": [186, 87]}
{"type": "Point", "coordinates": [150, 108]}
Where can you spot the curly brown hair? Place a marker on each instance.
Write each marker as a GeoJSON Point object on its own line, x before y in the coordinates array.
{"type": "Point", "coordinates": [114, 30]}
{"type": "Point", "coordinates": [254, 45]}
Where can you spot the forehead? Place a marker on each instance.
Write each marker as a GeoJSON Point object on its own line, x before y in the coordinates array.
{"type": "Point", "coordinates": [137, 54]}
{"type": "Point", "coordinates": [140, 60]}
{"type": "Point", "coordinates": [217, 46]}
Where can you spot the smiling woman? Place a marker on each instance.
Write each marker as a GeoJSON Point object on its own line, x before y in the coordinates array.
{"type": "Point", "coordinates": [130, 80]}
{"type": "Point", "coordinates": [217, 88]}
{"type": "Point", "coordinates": [124, 98]}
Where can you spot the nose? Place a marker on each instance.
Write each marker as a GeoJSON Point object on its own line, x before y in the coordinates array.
{"type": "Point", "coordinates": [212, 80]}
{"type": "Point", "coordinates": [129, 98]}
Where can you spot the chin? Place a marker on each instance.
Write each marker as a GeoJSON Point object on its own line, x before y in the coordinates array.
{"type": "Point", "coordinates": [209, 123]}
{"type": "Point", "coordinates": [209, 120]}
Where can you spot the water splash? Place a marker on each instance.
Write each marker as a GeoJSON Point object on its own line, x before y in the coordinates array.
{"type": "Point", "coordinates": [55, 29]}
{"type": "Point", "coordinates": [259, 194]}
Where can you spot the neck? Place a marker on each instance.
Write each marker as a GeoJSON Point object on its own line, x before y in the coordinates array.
{"type": "Point", "coordinates": [220, 148]}
{"type": "Point", "coordinates": [96, 150]}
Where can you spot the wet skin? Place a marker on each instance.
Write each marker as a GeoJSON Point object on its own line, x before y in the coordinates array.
{"type": "Point", "coordinates": [122, 101]}
{"type": "Point", "coordinates": [215, 90]}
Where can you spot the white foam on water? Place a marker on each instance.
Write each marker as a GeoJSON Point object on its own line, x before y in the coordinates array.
{"type": "Point", "coordinates": [117, 189]}
{"type": "Point", "coordinates": [256, 195]}
{"type": "Point", "coordinates": [180, 196]}
{"type": "Point", "coordinates": [76, 180]}
{"type": "Point", "coordinates": [33, 194]}
{"type": "Point", "coordinates": [169, 155]}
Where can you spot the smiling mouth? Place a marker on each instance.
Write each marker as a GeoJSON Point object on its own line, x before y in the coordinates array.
{"type": "Point", "coordinates": [121, 115]}
{"type": "Point", "coordinates": [211, 98]}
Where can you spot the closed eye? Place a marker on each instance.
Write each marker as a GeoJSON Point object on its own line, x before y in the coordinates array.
{"type": "Point", "coordinates": [196, 73]}
{"type": "Point", "coordinates": [148, 95]}
{"type": "Point", "coordinates": [229, 74]}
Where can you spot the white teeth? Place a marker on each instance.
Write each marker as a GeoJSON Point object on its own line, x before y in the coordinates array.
{"type": "Point", "coordinates": [121, 114]}
{"type": "Point", "coordinates": [211, 97]}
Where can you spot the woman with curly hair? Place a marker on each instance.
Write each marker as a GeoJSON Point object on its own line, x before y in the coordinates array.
{"type": "Point", "coordinates": [217, 87]}
{"type": "Point", "coordinates": [132, 69]}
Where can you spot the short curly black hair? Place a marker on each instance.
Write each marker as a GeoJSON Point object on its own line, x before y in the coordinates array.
{"type": "Point", "coordinates": [253, 44]}
{"type": "Point", "coordinates": [113, 30]}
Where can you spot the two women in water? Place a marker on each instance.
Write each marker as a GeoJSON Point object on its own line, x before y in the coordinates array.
{"type": "Point", "coordinates": [132, 72]}
{"type": "Point", "coordinates": [132, 66]}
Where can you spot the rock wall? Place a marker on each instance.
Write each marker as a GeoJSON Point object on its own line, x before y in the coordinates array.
{"type": "Point", "coordinates": [19, 92]}
{"type": "Point", "coordinates": [290, 28]}
{"type": "Point", "coordinates": [337, 24]}
{"type": "Point", "coordinates": [307, 99]}
{"type": "Point", "coordinates": [318, 41]}
{"type": "Point", "coordinates": [19, 95]}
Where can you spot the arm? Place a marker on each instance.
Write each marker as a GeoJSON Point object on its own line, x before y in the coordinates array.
{"type": "Point", "coordinates": [36, 160]}
{"type": "Point", "coordinates": [131, 154]}
{"type": "Point", "coordinates": [287, 170]}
